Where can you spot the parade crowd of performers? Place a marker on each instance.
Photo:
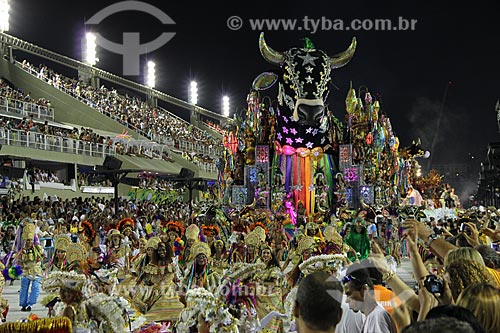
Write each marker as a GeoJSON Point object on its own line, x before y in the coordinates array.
{"type": "Point", "coordinates": [152, 267]}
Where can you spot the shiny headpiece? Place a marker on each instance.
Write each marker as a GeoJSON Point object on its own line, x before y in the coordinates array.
{"type": "Point", "coordinates": [60, 279]}
{"type": "Point", "coordinates": [331, 235]}
{"type": "Point", "coordinates": [62, 242]}
{"type": "Point", "coordinates": [153, 242]}
{"type": "Point", "coordinates": [252, 238]}
{"type": "Point", "coordinates": [260, 229]}
{"type": "Point", "coordinates": [76, 253]}
{"type": "Point", "coordinates": [200, 248]}
{"type": "Point", "coordinates": [28, 231]}
{"type": "Point", "coordinates": [114, 232]}
{"type": "Point", "coordinates": [306, 243]}
{"type": "Point", "coordinates": [192, 231]}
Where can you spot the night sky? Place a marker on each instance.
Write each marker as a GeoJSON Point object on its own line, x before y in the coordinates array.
{"type": "Point", "coordinates": [408, 70]}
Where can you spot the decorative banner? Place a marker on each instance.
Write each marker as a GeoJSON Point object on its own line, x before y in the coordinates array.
{"type": "Point", "coordinates": [345, 156]}
{"type": "Point", "coordinates": [154, 196]}
{"type": "Point", "coordinates": [262, 154]}
{"type": "Point", "coordinates": [251, 175]}
{"type": "Point", "coordinates": [352, 174]}
{"type": "Point", "coordinates": [262, 165]}
{"type": "Point", "coordinates": [366, 193]}
{"type": "Point", "coordinates": [240, 194]}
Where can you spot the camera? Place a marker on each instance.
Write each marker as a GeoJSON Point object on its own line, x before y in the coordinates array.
{"type": "Point", "coordinates": [434, 284]}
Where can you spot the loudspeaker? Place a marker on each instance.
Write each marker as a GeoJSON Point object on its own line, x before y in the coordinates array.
{"type": "Point", "coordinates": [186, 173]}
{"type": "Point", "coordinates": [112, 163]}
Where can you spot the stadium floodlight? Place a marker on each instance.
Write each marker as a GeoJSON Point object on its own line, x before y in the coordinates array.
{"type": "Point", "coordinates": [90, 49]}
{"type": "Point", "coordinates": [4, 15]}
{"type": "Point", "coordinates": [193, 93]}
{"type": "Point", "coordinates": [151, 74]}
{"type": "Point", "coordinates": [225, 106]}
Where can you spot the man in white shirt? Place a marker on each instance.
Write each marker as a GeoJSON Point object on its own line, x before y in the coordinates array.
{"type": "Point", "coordinates": [361, 297]}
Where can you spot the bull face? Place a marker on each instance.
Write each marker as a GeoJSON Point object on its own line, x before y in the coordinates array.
{"type": "Point", "coordinates": [303, 89]}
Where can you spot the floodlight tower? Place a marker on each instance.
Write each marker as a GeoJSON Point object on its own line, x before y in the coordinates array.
{"type": "Point", "coordinates": [89, 47]}
{"type": "Point", "coordinates": [225, 106]}
{"type": "Point", "coordinates": [151, 82]}
{"type": "Point", "coordinates": [193, 93]}
{"type": "Point", "coordinates": [4, 26]}
{"type": "Point", "coordinates": [194, 116]}
{"type": "Point", "coordinates": [151, 74]}
{"type": "Point", "coordinates": [4, 15]}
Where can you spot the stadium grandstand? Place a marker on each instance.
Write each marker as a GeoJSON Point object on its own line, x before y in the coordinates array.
{"type": "Point", "coordinates": [70, 129]}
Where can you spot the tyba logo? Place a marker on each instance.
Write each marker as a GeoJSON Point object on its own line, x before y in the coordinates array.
{"type": "Point", "coordinates": [131, 49]}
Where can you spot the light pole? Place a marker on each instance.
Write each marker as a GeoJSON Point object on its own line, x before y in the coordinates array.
{"type": "Point", "coordinates": [193, 93]}
{"type": "Point", "coordinates": [225, 106]}
{"type": "Point", "coordinates": [90, 49]}
{"type": "Point", "coordinates": [151, 74]}
{"type": "Point", "coordinates": [4, 15]}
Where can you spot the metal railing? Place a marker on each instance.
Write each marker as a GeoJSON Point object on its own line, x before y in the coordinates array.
{"type": "Point", "coordinates": [26, 109]}
{"type": "Point", "coordinates": [20, 44]}
{"type": "Point", "coordinates": [54, 143]}
{"type": "Point", "coordinates": [183, 145]}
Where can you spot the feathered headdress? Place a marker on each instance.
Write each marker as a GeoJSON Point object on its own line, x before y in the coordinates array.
{"type": "Point", "coordinates": [176, 227]}
{"type": "Point", "coordinates": [210, 230]}
{"type": "Point", "coordinates": [87, 229]}
{"type": "Point", "coordinates": [125, 223]}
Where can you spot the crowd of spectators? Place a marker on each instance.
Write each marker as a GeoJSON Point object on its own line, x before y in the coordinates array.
{"type": "Point", "coordinates": [45, 176]}
{"type": "Point", "coordinates": [17, 99]}
{"type": "Point", "coordinates": [154, 123]}
{"type": "Point", "coordinates": [43, 134]}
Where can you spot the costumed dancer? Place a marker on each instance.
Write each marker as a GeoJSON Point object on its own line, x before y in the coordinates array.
{"type": "Point", "coordinates": [87, 236]}
{"type": "Point", "coordinates": [130, 237]}
{"type": "Point", "coordinates": [219, 257]}
{"type": "Point", "coordinates": [358, 240]}
{"type": "Point", "coordinates": [56, 264]}
{"type": "Point", "coordinates": [4, 303]}
{"type": "Point", "coordinates": [192, 235]}
{"type": "Point", "coordinates": [168, 307]}
{"type": "Point", "coordinates": [118, 253]}
{"type": "Point", "coordinates": [269, 296]}
{"type": "Point", "coordinates": [201, 274]}
{"type": "Point", "coordinates": [30, 259]}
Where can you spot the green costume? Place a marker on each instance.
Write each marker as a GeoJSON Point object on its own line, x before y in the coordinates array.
{"type": "Point", "coordinates": [360, 242]}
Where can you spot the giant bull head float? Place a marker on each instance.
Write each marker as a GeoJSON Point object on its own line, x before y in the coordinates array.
{"type": "Point", "coordinates": [302, 119]}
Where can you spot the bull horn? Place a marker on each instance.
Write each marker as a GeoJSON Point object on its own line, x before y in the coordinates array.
{"type": "Point", "coordinates": [272, 56]}
{"type": "Point", "coordinates": [341, 59]}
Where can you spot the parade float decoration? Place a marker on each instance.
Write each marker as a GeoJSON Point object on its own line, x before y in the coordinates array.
{"type": "Point", "coordinates": [290, 148]}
